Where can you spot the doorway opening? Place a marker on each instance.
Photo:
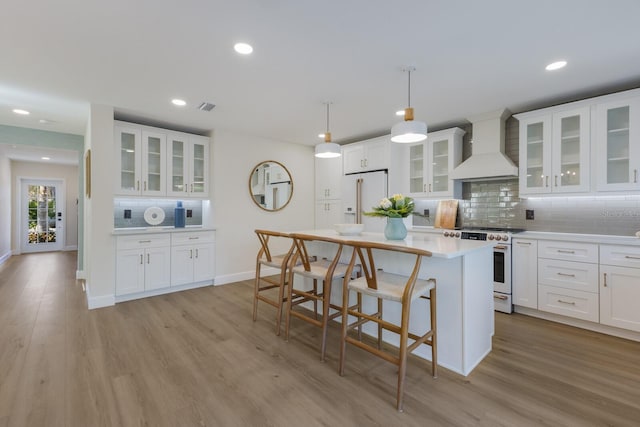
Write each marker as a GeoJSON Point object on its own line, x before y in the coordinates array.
{"type": "Point", "coordinates": [42, 215]}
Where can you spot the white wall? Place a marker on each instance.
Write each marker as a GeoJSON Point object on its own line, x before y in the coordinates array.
{"type": "Point", "coordinates": [5, 208]}
{"type": "Point", "coordinates": [235, 216]}
{"type": "Point", "coordinates": [66, 173]}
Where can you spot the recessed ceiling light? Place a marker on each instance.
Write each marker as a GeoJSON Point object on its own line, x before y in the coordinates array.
{"type": "Point", "coordinates": [555, 65]}
{"type": "Point", "coordinates": [179, 102]}
{"type": "Point", "coordinates": [243, 48]}
{"type": "Point", "coordinates": [45, 158]}
{"type": "Point", "coordinates": [400, 113]}
{"type": "Point", "coordinates": [19, 111]}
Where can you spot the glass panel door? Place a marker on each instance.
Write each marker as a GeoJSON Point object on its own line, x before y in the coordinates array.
{"type": "Point", "coordinates": [440, 166]}
{"type": "Point", "coordinates": [535, 155]}
{"type": "Point", "coordinates": [198, 164]}
{"type": "Point", "coordinates": [569, 151]}
{"type": "Point", "coordinates": [617, 164]}
{"type": "Point", "coordinates": [416, 169]}
{"type": "Point", "coordinates": [154, 162]}
{"type": "Point", "coordinates": [128, 162]}
{"type": "Point", "coordinates": [178, 152]}
{"type": "Point", "coordinates": [42, 218]}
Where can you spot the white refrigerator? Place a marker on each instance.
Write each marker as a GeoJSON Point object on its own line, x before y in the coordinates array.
{"type": "Point", "coordinates": [360, 193]}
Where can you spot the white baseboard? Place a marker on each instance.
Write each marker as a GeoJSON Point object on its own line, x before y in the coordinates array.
{"type": "Point", "coordinates": [80, 275]}
{"type": "Point", "coordinates": [5, 257]}
{"type": "Point", "coordinates": [99, 302]}
{"type": "Point", "coordinates": [70, 248]}
{"type": "Point", "coordinates": [246, 275]}
{"type": "Point", "coordinates": [162, 291]}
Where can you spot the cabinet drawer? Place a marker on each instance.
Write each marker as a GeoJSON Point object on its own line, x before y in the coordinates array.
{"type": "Point", "coordinates": [567, 302]}
{"type": "Point", "coordinates": [568, 251]}
{"type": "Point", "coordinates": [141, 241]}
{"type": "Point", "coordinates": [192, 237]}
{"type": "Point", "coordinates": [579, 276]}
{"type": "Point", "coordinates": [623, 256]}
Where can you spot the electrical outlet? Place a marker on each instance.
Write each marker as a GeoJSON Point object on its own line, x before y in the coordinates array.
{"type": "Point", "coordinates": [189, 213]}
{"type": "Point", "coordinates": [127, 214]}
{"type": "Point", "coordinates": [529, 214]}
{"type": "Point", "coordinates": [426, 213]}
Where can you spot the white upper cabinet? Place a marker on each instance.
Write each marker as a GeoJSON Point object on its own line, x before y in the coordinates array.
{"type": "Point", "coordinates": [430, 164]}
{"type": "Point", "coordinates": [372, 154]}
{"type": "Point", "coordinates": [617, 151]}
{"type": "Point", "coordinates": [157, 162]}
{"type": "Point", "coordinates": [554, 151]}
{"type": "Point", "coordinates": [188, 165]}
{"type": "Point", "coordinates": [328, 178]}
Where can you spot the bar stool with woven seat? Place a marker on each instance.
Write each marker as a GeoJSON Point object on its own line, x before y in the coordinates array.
{"type": "Point", "coordinates": [391, 287]}
{"type": "Point", "coordinates": [269, 240]}
{"type": "Point", "coordinates": [324, 270]}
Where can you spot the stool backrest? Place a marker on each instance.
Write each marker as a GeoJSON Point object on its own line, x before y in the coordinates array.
{"type": "Point", "coordinates": [303, 255]}
{"type": "Point", "coordinates": [265, 248]}
{"type": "Point", "coordinates": [364, 252]}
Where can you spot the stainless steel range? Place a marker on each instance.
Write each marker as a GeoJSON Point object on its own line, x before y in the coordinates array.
{"type": "Point", "coordinates": [501, 260]}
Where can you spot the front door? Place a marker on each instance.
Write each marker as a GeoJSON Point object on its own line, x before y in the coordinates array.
{"type": "Point", "coordinates": [42, 215]}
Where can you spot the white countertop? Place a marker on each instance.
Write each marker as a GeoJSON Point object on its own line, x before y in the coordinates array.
{"type": "Point", "coordinates": [157, 230]}
{"type": "Point", "coordinates": [439, 246]}
{"type": "Point", "coordinates": [586, 238]}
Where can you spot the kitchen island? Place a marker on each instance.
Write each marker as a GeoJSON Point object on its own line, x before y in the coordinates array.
{"type": "Point", "coordinates": [464, 273]}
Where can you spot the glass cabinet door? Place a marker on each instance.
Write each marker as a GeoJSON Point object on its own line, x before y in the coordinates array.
{"type": "Point", "coordinates": [128, 160]}
{"type": "Point", "coordinates": [439, 166]}
{"type": "Point", "coordinates": [416, 169]}
{"type": "Point", "coordinates": [535, 139]}
{"type": "Point", "coordinates": [154, 163]}
{"type": "Point", "coordinates": [199, 166]}
{"type": "Point", "coordinates": [618, 156]}
{"type": "Point", "coordinates": [571, 151]}
{"type": "Point", "coordinates": [177, 165]}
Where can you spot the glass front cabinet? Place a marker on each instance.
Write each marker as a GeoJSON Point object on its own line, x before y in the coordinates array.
{"type": "Point", "coordinates": [430, 164]}
{"type": "Point", "coordinates": [188, 165]}
{"type": "Point", "coordinates": [618, 151]}
{"type": "Point", "coordinates": [554, 152]}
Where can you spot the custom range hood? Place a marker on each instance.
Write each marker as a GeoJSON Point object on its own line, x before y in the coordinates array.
{"type": "Point", "coordinates": [487, 160]}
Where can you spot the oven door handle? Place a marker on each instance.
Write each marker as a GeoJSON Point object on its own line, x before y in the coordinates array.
{"type": "Point", "coordinates": [500, 247]}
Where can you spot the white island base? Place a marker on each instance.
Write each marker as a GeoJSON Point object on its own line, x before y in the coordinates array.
{"type": "Point", "coordinates": [463, 270]}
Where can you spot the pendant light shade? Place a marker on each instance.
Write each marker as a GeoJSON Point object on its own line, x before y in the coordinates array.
{"type": "Point", "coordinates": [328, 149]}
{"type": "Point", "coordinates": [409, 130]}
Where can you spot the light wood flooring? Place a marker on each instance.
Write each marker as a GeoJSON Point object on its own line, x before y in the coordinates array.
{"type": "Point", "coordinates": [196, 358]}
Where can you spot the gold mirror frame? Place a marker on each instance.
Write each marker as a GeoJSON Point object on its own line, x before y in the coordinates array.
{"type": "Point", "coordinates": [266, 189]}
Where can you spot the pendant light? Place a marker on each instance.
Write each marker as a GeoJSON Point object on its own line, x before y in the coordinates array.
{"type": "Point", "coordinates": [409, 130]}
{"type": "Point", "coordinates": [327, 149]}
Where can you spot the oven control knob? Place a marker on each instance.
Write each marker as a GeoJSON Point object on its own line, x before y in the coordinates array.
{"type": "Point", "coordinates": [491, 237]}
{"type": "Point", "coordinates": [457, 234]}
{"type": "Point", "coordinates": [505, 237]}
{"type": "Point", "coordinates": [446, 234]}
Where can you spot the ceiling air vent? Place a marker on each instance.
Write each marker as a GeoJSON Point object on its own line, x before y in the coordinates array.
{"type": "Point", "coordinates": [206, 106]}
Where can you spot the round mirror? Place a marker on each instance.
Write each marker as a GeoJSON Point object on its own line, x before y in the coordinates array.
{"type": "Point", "coordinates": [270, 185]}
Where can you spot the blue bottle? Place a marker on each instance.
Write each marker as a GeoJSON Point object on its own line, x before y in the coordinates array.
{"type": "Point", "coordinates": [179, 216]}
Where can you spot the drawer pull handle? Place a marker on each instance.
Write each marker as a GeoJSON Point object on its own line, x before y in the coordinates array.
{"type": "Point", "coordinates": [501, 297]}
{"type": "Point", "coordinates": [148, 259]}
{"type": "Point", "coordinates": [193, 238]}
{"type": "Point", "coordinates": [632, 257]}
{"type": "Point", "coordinates": [605, 280]}
{"type": "Point", "coordinates": [524, 243]}
{"type": "Point", "coordinates": [567, 302]}
{"type": "Point", "coordinates": [566, 252]}
{"type": "Point", "coordinates": [144, 241]}
{"type": "Point", "coordinates": [566, 275]}
{"type": "Point", "coordinates": [141, 262]}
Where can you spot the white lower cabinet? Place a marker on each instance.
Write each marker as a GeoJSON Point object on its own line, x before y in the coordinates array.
{"type": "Point", "coordinates": [620, 286]}
{"type": "Point", "coordinates": [192, 257]}
{"type": "Point", "coordinates": [567, 302]}
{"type": "Point", "coordinates": [328, 213]}
{"type": "Point", "coordinates": [143, 263]}
{"type": "Point", "coordinates": [525, 272]}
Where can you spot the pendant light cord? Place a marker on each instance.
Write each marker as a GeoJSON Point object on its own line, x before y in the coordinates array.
{"type": "Point", "coordinates": [409, 71]}
{"type": "Point", "coordinates": [327, 117]}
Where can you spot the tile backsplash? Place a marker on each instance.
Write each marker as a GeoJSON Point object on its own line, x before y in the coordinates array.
{"type": "Point", "coordinates": [138, 206]}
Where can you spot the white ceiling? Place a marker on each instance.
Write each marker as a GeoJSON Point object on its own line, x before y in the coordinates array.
{"type": "Point", "coordinates": [471, 57]}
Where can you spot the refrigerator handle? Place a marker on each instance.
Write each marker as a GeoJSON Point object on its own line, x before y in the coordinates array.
{"type": "Point", "coordinates": [359, 201]}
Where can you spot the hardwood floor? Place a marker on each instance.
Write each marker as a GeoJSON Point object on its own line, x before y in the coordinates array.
{"type": "Point", "coordinates": [196, 358]}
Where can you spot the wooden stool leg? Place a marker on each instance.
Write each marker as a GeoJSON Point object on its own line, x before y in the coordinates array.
{"type": "Point", "coordinates": [379, 324]}
{"type": "Point", "coordinates": [256, 288]}
{"type": "Point", "coordinates": [434, 337]}
{"type": "Point", "coordinates": [359, 311]}
{"type": "Point", "coordinates": [289, 308]}
{"type": "Point", "coordinates": [315, 301]}
{"type": "Point", "coordinates": [326, 298]}
{"type": "Point", "coordinates": [283, 283]}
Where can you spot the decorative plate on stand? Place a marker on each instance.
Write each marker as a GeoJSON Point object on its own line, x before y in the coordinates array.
{"type": "Point", "coordinates": [154, 215]}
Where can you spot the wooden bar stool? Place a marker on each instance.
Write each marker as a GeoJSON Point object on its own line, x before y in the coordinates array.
{"type": "Point", "coordinates": [324, 270]}
{"type": "Point", "coordinates": [268, 241]}
{"type": "Point", "coordinates": [391, 287]}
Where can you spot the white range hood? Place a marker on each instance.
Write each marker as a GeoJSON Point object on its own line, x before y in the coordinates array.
{"type": "Point", "coordinates": [487, 160]}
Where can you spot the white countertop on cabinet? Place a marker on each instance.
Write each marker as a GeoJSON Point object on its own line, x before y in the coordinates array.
{"type": "Point", "coordinates": [154, 230]}
{"type": "Point", "coordinates": [586, 238]}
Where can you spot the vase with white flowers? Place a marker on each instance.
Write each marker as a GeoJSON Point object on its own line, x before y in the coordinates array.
{"type": "Point", "coordinates": [394, 208]}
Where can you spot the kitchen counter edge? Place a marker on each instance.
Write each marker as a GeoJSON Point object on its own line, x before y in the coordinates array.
{"type": "Point", "coordinates": [158, 230]}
